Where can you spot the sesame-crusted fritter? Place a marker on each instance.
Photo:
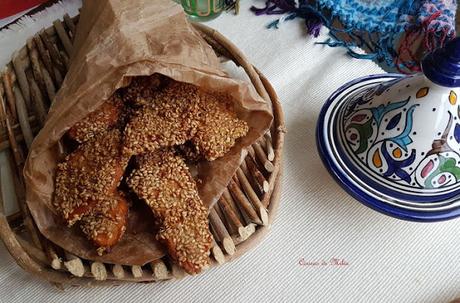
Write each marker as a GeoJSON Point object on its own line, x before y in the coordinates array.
{"type": "Point", "coordinates": [89, 175]}
{"type": "Point", "coordinates": [141, 89]}
{"type": "Point", "coordinates": [164, 182]}
{"type": "Point", "coordinates": [106, 223]}
{"type": "Point", "coordinates": [170, 120]}
{"type": "Point", "coordinates": [218, 127]}
{"type": "Point", "coordinates": [102, 119]}
{"type": "Point", "coordinates": [181, 112]}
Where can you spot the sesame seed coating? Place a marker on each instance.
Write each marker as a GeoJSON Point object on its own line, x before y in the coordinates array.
{"type": "Point", "coordinates": [218, 127]}
{"type": "Point", "coordinates": [88, 175]}
{"type": "Point", "coordinates": [104, 118]}
{"type": "Point", "coordinates": [169, 120]}
{"type": "Point", "coordinates": [189, 152]}
{"type": "Point", "coordinates": [151, 119]}
{"type": "Point", "coordinates": [163, 181]}
{"type": "Point", "coordinates": [181, 112]}
{"type": "Point", "coordinates": [105, 227]}
{"type": "Point", "coordinates": [141, 89]}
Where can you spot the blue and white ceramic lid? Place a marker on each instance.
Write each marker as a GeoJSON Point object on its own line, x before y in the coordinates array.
{"type": "Point", "coordinates": [393, 141]}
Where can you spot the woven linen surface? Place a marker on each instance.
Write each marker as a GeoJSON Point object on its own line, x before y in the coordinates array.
{"type": "Point", "coordinates": [388, 260]}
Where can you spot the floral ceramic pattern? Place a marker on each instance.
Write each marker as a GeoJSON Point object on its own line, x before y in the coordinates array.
{"type": "Point", "coordinates": [381, 134]}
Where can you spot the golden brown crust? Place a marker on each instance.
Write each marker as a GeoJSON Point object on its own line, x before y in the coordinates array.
{"type": "Point", "coordinates": [88, 175]}
{"type": "Point", "coordinates": [168, 121]}
{"type": "Point", "coordinates": [218, 127]}
{"type": "Point", "coordinates": [163, 181]}
{"type": "Point", "coordinates": [181, 112]}
{"type": "Point", "coordinates": [161, 116]}
{"type": "Point", "coordinates": [105, 227]}
{"type": "Point", "coordinates": [141, 89]}
{"type": "Point", "coordinates": [102, 119]}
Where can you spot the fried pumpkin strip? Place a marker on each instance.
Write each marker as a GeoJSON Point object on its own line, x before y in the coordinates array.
{"type": "Point", "coordinates": [163, 181]}
{"type": "Point", "coordinates": [88, 176]}
{"type": "Point", "coordinates": [105, 227]}
{"type": "Point", "coordinates": [102, 119]}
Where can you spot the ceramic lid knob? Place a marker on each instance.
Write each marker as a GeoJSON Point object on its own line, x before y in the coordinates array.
{"type": "Point", "coordinates": [443, 65]}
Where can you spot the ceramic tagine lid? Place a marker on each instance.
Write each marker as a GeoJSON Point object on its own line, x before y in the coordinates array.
{"type": "Point", "coordinates": [393, 141]}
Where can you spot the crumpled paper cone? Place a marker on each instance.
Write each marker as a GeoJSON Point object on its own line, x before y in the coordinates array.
{"type": "Point", "coordinates": [115, 41]}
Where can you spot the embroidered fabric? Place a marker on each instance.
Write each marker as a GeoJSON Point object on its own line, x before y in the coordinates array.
{"type": "Point", "coordinates": [387, 29]}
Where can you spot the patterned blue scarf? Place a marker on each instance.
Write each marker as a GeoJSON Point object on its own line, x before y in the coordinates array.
{"type": "Point", "coordinates": [389, 30]}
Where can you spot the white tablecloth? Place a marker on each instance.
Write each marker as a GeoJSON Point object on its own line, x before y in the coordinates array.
{"type": "Point", "coordinates": [388, 260]}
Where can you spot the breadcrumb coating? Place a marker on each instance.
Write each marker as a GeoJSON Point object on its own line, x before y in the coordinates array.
{"type": "Point", "coordinates": [102, 119]}
{"type": "Point", "coordinates": [164, 182]}
{"type": "Point", "coordinates": [88, 176]}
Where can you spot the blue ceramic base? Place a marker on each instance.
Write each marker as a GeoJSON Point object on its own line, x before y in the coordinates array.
{"type": "Point", "coordinates": [393, 142]}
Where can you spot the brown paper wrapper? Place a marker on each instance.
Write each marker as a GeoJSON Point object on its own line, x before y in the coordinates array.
{"type": "Point", "coordinates": [115, 41]}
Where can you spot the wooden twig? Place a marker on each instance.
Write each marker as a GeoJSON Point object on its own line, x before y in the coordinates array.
{"type": "Point", "coordinates": [244, 218]}
{"type": "Point", "coordinates": [35, 65]}
{"type": "Point", "coordinates": [56, 262]}
{"type": "Point", "coordinates": [70, 25]}
{"type": "Point", "coordinates": [257, 175]}
{"type": "Point", "coordinates": [221, 214]}
{"type": "Point", "coordinates": [137, 271]}
{"type": "Point", "coordinates": [226, 219]}
{"type": "Point", "coordinates": [217, 253]}
{"type": "Point", "coordinates": [10, 98]}
{"type": "Point", "coordinates": [63, 37]}
{"type": "Point", "coordinates": [34, 253]}
{"type": "Point", "coordinates": [269, 147]}
{"type": "Point", "coordinates": [118, 271]}
{"type": "Point", "coordinates": [49, 84]}
{"type": "Point", "coordinates": [262, 157]}
{"type": "Point", "coordinates": [53, 52]}
{"type": "Point", "coordinates": [37, 99]}
{"type": "Point", "coordinates": [251, 228]}
{"type": "Point", "coordinates": [21, 79]}
{"type": "Point", "coordinates": [252, 180]}
{"type": "Point", "coordinates": [222, 232]}
{"type": "Point", "coordinates": [159, 269]}
{"type": "Point", "coordinates": [98, 271]}
{"type": "Point", "coordinates": [45, 57]}
{"type": "Point", "coordinates": [23, 116]}
{"type": "Point", "coordinates": [74, 265]}
{"type": "Point", "coordinates": [65, 59]}
{"type": "Point", "coordinates": [252, 196]}
{"type": "Point", "coordinates": [232, 217]}
{"type": "Point", "coordinates": [226, 194]}
{"type": "Point", "coordinates": [37, 238]}
{"type": "Point", "coordinates": [244, 203]}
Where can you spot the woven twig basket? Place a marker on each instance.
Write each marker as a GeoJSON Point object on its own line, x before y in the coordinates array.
{"type": "Point", "coordinates": [238, 221]}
